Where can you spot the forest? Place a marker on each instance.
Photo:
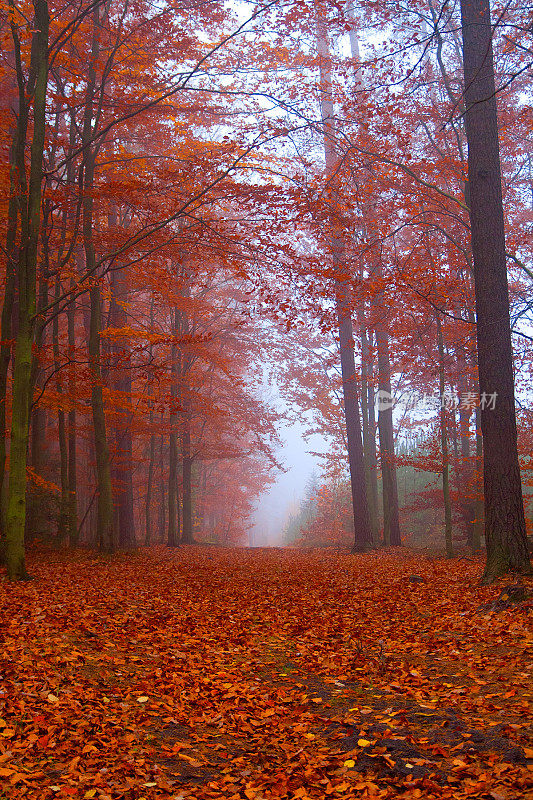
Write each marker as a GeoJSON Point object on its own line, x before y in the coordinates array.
{"type": "Point", "coordinates": [219, 218]}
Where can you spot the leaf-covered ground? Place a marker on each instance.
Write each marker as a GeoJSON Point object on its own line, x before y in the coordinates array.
{"type": "Point", "coordinates": [204, 673]}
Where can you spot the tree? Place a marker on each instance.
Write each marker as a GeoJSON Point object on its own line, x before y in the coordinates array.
{"type": "Point", "coordinates": [28, 193]}
{"type": "Point", "coordinates": [505, 531]}
{"type": "Point", "coordinates": [354, 436]}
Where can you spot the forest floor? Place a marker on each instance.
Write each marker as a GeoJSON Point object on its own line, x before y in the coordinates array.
{"type": "Point", "coordinates": [209, 673]}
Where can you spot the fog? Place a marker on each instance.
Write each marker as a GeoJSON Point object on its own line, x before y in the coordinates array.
{"type": "Point", "coordinates": [275, 505]}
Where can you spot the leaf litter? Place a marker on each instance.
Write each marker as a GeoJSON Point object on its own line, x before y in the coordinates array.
{"type": "Point", "coordinates": [204, 673]}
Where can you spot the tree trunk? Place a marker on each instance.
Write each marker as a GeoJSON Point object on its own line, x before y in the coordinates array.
{"type": "Point", "coordinates": [187, 535]}
{"type": "Point", "coordinates": [369, 448]}
{"type": "Point", "coordinates": [162, 505]}
{"type": "Point", "coordinates": [187, 522]}
{"type": "Point", "coordinates": [105, 534]}
{"type": "Point", "coordinates": [122, 470]}
{"type": "Point", "coordinates": [149, 484]}
{"type": "Point", "coordinates": [30, 210]}
{"type": "Point", "coordinates": [151, 462]}
{"type": "Point", "coordinates": [465, 473]}
{"type": "Point", "coordinates": [72, 449]}
{"type": "Point", "coordinates": [444, 445]}
{"type": "Point", "coordinates": [372, 453]}
{"type": "Point", "coordinates": [173, 531]}
{"type": "Point", "coordinates": [7, 311]}
{"type": "Point", "coordinates": [362, 529]}
{"type": "Point", "coordinates": [63, 454]}
{"type": "Point", "coordinates": [391, 511]}
{"type": "Point", "coordinates": [38, 413]}
{"type": "Point", "coordinates": [505, 530]}
{"type": "Point", "coordinates": [479, 523]}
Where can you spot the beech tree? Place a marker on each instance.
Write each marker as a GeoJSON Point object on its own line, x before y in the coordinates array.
{"type": "Point", "coordinates": [505, 530]}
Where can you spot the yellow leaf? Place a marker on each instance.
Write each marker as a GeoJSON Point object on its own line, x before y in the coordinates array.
{"type": "Point", "coordinates": [3, 723]}
{"type": "Point", "coordinates": [349, 763]}
{"type": "Point", "coordinates": [309, 735]}
{"type": "Point", "coordinates": [316, 699]}
{"type": "Point", "coordinates": [52, 698]}
{"type": "Point", "coordinates": [89, 793]}
{"type": "Point", "coordinates": [363, 742]}
{"type": "Point", "coordinates": [8, 733]}
{"type": "Point", "coordinates": [142, 699]}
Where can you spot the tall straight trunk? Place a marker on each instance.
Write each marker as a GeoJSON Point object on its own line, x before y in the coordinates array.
{"type": "Point", "coordinates": [479, 522]}
{"type": "Point", "coordinates": [372, 453]}
{"type": "Point", "coordinates": [38, 414]}
{"type": "Point", "coordinates": [162, 505]}
{"type": "Point", "coordinates": [63, 452]}
{"type": "Point", "coordinates": [73, 535]}
{"type": "Point", "coordinates": [187, 521]}
{"type": "Point", "coordinates": [465, 472]}
{"type": "Point", "coordinates": [30, 214]}
{"type": "Point", "coordinates": [7, 308]}
{"type": "Point", "coordinates": [149, 484]}
{"type": "Point", "coordinates": [105, 534]}
{"type": "Point", "coordinates": [173, 531]}
{"type": "Point", "coordinates": [121, 381]}
{"type": "Point", "coordinates": [505, 529]}
{"type": "Point", "coordinates": [343, 302]}
{"type": "Point", "coordinates": [16, 107]}
{"type": "Point", "coordinates": [151, 460]}
{"type": "Point", "coordinates": [187, 532]}
{"type": "Point", "coordinates": [369, 448]}
{"type": "Point", "coordinates": [391, 511]}
{"type": "Point", "coordinates": [444, 445]}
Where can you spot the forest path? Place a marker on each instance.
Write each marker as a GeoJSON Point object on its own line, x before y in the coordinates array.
{"type": "Point", "coordinates": [207, 673]}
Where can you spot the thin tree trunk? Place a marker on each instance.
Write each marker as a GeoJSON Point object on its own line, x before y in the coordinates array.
{"type": "Point", "coordinates": [173, 532]}
{"type": "Point", "coordinates": [105, 534]}
{"type": "Point", "coordinates": [444, 445]}
{"type": "Point", "coordinates": [162, 506]}
{"type": "Point", "coordinates": [149, 483]}
{"type": "Point", "coordinates": [72, 445]}
{"type": "Point", "coordinates": [465, 473]}
{"type": "Point", "coordinates": [505, 530]}
{"type": "Point", "coordinates": [372, 453]}
{"type": "Point", "coordinates": [122, 470]}
{"type": "Point", "coordinates": [362, 529]}
{"type": "Point", "coordinates": [63, 453]}
{"type": "Point", "coordinates": [151, 462]}
{"type": "Point", "coordinates": [479, 522]}
{"type": "Point", "coordinates": [37, 412]}
{"type": "Point", "coordinates": [391, 512]}
{"type": "Point", "coordinates": [187, 522]}
{"type": "Point", "coordinates": [187, 535]}
{"type": "Point", "coordinates": [369, 449]}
